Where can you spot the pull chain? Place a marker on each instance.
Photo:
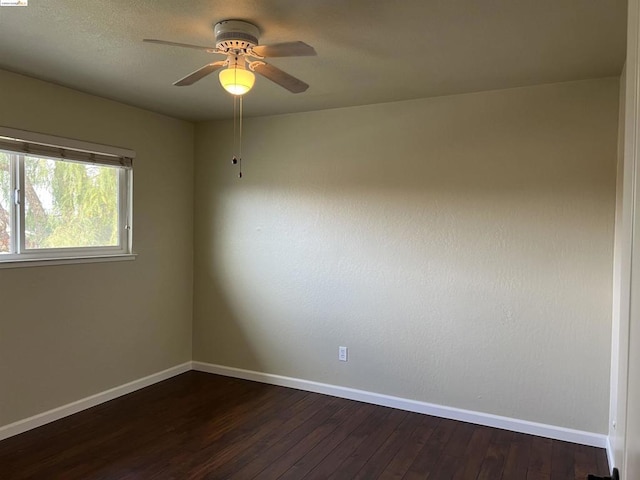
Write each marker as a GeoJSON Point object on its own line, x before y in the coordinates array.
{"type": "Point", "coordinates": [237, 133]}
{"type": "Point", "coordinates": [240, 142]}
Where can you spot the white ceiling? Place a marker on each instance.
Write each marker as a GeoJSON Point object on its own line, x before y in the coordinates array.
{"type": "Point", "coordinates": [369, 51]}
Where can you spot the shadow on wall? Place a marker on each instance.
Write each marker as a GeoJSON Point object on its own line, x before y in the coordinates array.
{"type": "Point", "coordinates": [218, 325]}
{"type": "Point", "coordinates": [461, 247]}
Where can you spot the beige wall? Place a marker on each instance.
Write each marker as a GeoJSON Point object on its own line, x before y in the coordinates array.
{"type": "Point", "coordinates": [70, 331]}
{"type": "Point", "coordinates": [461, 247]}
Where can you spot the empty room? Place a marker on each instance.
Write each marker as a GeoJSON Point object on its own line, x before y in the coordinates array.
{"type": "Point", "coordinates": [319, 240]}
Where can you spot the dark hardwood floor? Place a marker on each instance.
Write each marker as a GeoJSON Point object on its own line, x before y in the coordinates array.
{"type": "Point", "coordinates": [202, 426]}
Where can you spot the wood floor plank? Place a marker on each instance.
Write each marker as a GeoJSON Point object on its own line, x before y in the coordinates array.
{"type": "Point", "coordinates": [308, 443]}
{"type": "Point", "coordinates": [496, 456]}
{"type": "Point", "coordinates": [351, 465]}
{"type": "Point", "coordinates": [562, 461]}
{"type": "Point", "coordinates": [585, 461]}
{"type": "Point", "coordinates": [540, 457]}
{"type": "Point", "coordinates": [307, 463]}
{"type": "Point", "coordinates": [446, 468]}
{"type": "Point", "coordinates": [273, 452]}
{"type": "Point", "coordinates": [428, 457]}
{"type": "Point", "coordinates": [345, 448]}
{"type": "Point", "coordinates": [451, 461]}
{"type": "Point", "coordinates": [237, 446]}
{"type": "Point", "coordinates": [206, 437]}
{"type": "Point", "coordinates": [133, 423]}
{"type": "Point", "coordinates": [460, 439]}
{"type": "Point", "coordinates": [517, 462]}
{"type": "Point", "coordinates": [383, 456]}
{"type": "Point", "coordinates": [475, 453]}
{"type": "Point", "coordinates": [533, 475]}
{"type": "Point", "coordinates": [201, 438]}
{"type": "Point", "coordinates": [199, 426]}
{"type": "Point", "coordinates": [240, 451]}
{"type": "Point", "coordinates": [603, 463]}
{"type": "Point", "coordinates": [408, 452]}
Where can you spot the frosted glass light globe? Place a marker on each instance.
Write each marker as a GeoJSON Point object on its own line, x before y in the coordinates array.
{"type": "Point", "coordinates": [237, 81]}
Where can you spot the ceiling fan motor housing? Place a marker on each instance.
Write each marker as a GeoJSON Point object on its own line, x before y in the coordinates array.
{"type": "Point", "coordinates": [235, 35]}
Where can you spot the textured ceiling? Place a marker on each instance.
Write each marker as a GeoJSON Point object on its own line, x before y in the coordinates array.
{"type": "Point", "coordinates": [368, 51]}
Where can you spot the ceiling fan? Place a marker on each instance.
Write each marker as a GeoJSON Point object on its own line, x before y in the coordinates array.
{"type": "Point", "coordinates": [238, 40]}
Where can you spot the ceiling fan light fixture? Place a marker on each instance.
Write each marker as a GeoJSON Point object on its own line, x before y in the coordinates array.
{"type": "Point", "coordinates": [239, 41]}
{"type": "Point", "coordinates": [237, 81]}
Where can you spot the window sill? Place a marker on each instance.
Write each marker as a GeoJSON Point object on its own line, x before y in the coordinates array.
{"type": "Point", "coordinates": [41, 262]}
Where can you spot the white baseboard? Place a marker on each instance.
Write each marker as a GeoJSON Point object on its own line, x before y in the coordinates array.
{"type": "Point", "coordinates": [478, 418]}
{"type": "Point", "coordinates": [610, 456]}
{"type": "Point", "coordinates": [21, 426]}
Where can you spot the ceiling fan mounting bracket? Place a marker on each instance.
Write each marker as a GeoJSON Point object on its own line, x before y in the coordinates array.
{"type": "Point", "coordinates": [235, 36]}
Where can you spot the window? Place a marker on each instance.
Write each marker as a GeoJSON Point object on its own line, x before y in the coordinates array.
{"type": "Point", "coordinates": [62, 199]}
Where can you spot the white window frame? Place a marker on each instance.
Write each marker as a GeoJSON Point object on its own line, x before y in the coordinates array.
{"type": "Point", "coordinates": [19, 144]}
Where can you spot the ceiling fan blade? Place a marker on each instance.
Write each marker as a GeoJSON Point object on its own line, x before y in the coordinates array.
{"type": "Point", "coordinates": [289, 49]}
{"type": "Point", "coordinates": [198, 74]}
{"type": "Point", "coordinates": [185, 45]}
{"type": "Point", "coordinates": [291, 83]}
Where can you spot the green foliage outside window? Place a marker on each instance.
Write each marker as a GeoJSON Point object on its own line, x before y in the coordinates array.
{"type": "Point", "coordinates": [66, 204]}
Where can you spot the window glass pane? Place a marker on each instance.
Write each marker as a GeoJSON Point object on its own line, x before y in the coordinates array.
{"type": "Point", "coordinates": [69, 204]}
{"type": "Point", "coordinates": [5, 203]}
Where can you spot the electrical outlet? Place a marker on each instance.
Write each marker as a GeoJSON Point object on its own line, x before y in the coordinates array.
{"type": "Point", "coordinates": [343, 353]}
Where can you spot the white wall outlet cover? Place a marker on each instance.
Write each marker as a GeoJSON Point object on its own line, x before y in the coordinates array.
{"type": "Point", "coordinates": [343, 354]}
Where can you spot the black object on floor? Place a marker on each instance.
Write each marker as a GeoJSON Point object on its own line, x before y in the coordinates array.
{"type": "Point", "coordinates": [615, 476]}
